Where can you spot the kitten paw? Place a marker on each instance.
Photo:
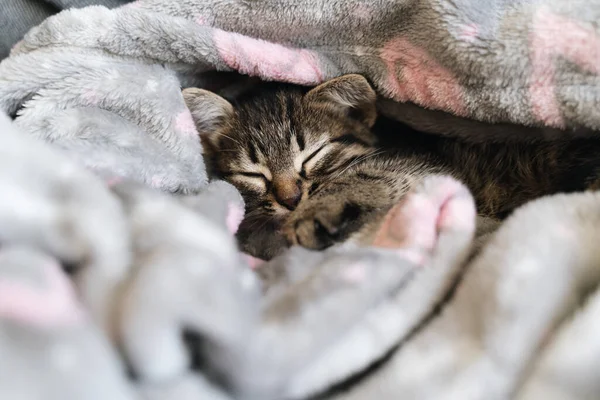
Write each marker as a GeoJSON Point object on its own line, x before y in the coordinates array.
{"type": "Point", "coordinates": [323, 226]}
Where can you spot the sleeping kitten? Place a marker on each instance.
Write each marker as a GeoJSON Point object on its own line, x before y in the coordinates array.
{"type": "Point", "coordinates": [315, 167]}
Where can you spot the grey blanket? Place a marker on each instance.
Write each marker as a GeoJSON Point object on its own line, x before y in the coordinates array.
{"type": "Point", "coordinates": [18, 16]}
{"type": "Point", "coordinates": [160, 305]}
{"type": "Point", "coordinates": [530, 63]}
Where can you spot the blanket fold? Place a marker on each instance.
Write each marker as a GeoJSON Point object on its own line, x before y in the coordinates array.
{"type": "Point", "coordinates": [532, 64]}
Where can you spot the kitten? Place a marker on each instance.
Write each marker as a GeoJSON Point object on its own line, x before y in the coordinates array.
{"type": "Point", "coordinates": [316, 167]}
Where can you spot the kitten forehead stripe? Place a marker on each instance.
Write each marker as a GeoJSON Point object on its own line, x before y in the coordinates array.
{"type": "Point", "coordinates": [252, 153]}
{"type": "Point", "coordinates": [297, 133]}
{"type": "Point", "coordinates": [300, 140]}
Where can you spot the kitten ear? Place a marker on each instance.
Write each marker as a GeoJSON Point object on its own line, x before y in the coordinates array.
{"type": "Point", "coordinates": [210, 112]}
{"type": "Point", "coordinates": [350, 94]}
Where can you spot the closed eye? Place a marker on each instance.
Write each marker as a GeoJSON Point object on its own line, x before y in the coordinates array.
{"type": "Point", "coordinates": [309, 158]}
{"type": "Point", "coordinates": [252, 175]}
{"type": "Point", "coordinates": [313, 154]}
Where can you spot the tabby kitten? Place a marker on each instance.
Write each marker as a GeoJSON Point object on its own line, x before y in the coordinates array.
{"type": "Point", "coordinates": [316, 168]}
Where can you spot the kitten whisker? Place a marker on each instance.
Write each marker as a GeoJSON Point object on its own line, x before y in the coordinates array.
{"type": "Point", "coordinates": [330, 180]}
{"type": "Point", "coordinates": [258, 219]}
{"type": "Point", "coordinates": [255, 215]}
{"type": "Point", "coordinates": [228, 137]}
{"type": "Point", "coordinates": [265, 222]}
{"type": "Point", "coordinates": [259, 213]}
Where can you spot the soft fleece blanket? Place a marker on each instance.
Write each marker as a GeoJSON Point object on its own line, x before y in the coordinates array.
{"type": "Point", "coordinates": [158, 304]}
{"type": "Point", "coordinates": [18, 16]}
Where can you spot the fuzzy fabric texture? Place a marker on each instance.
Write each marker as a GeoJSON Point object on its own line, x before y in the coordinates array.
{"type": "Point", "coordinates": [18, 16]}
{"type": "Point", "coordinates": [521, 63]}
{"type": "Point", "coordinates": [112, 289]}
{"type": "Point", "coordinates": [156, 290]}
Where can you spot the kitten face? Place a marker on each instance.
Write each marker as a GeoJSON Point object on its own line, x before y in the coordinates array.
{"type": "Point", "coordinates": [279, 145]}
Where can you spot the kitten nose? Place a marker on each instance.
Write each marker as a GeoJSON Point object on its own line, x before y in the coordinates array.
{"type": "Point", "coordinates": [288, 194]}
{"type": "Point", "coordinates": [292, 201]}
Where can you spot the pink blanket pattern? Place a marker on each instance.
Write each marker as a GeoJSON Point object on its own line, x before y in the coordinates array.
{"type": "Point", "coordinates": [52, 306]}
{"type": "Point", "coordinates": [553, 37]}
